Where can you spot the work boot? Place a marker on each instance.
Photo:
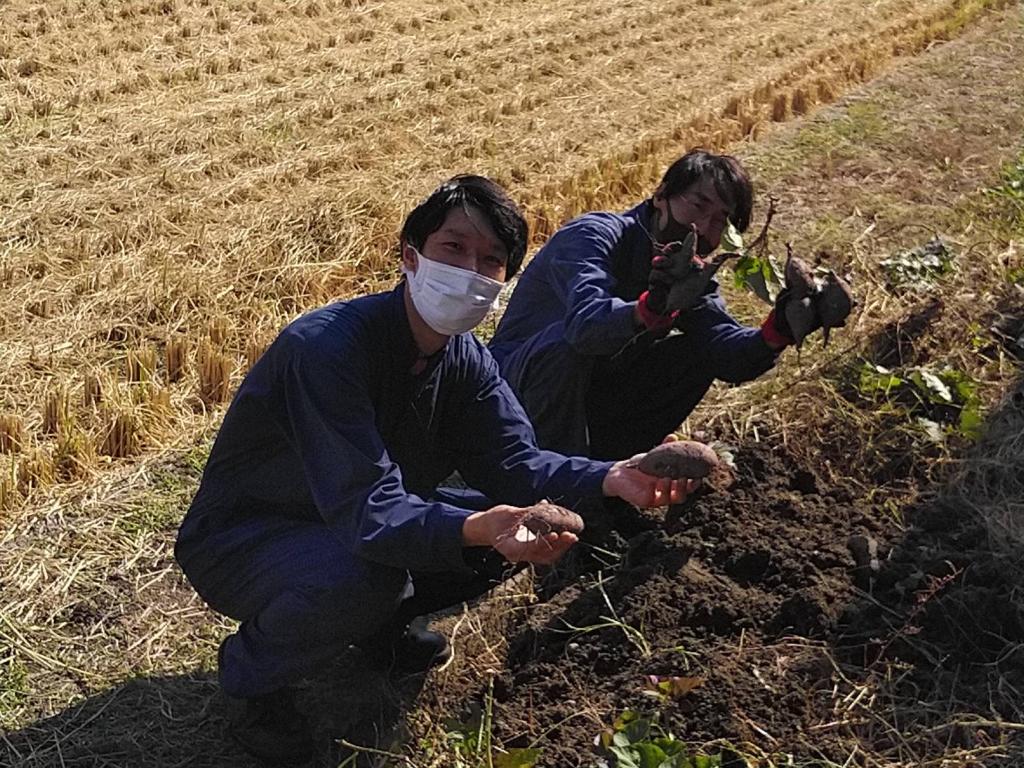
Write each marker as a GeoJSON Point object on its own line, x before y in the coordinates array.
{"type": "Point", "coordinates": [407, 650]}
{"type": "Point", "coordinates": [270, 727]}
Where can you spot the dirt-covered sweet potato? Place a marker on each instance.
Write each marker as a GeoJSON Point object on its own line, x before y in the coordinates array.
{"type": "Point", "coordinates": [834, 302]}
{"type": "Point", "coordinates": [547, 518]}
{"type": "Point", "coordinates": [677, 460]}
{"type": "Point", "coordinates": [799, 276]}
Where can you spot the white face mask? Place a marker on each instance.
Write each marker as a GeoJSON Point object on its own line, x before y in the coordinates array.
{"type": "Point", "coordinates": [449, 299]}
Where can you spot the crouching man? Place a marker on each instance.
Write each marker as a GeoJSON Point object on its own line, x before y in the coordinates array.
{"type": "Point", "coordinates": [586, 342]}
{"type": "Point", "coordinates": [318, 525]}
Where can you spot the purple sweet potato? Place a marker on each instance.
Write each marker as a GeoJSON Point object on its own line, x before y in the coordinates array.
{"type": "Point", "coordinates": [547, 518]}
{"type": "Point", "coordinates": [834, 303]}
{"type": "Point", "coordinates": [799, 276]}
{"type": "Point", "coordinates": [681, 459]}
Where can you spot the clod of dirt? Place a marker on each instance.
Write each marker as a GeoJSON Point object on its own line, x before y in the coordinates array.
{"type": "Point", "coordinates": [681, 459]}
{"type": "Point", "coordinates": [547, 518]}
{"type": "Point", "coordinates": [801, 318]}
{"type": "Point", "coordinates": [834, 303]}
{"type": "Point", "coordinates": [799, 277]}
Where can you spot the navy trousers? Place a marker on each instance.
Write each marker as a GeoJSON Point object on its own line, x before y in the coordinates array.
{"type": "Point", "coordinates": [606, 407]}
{"type": "Point", "coordinates": [302, 596]}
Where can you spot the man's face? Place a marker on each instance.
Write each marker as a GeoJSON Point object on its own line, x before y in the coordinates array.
{"type": "Point", "coordinates": [699, 205]}
{"type": "Point", "coordinates": [465, 240]}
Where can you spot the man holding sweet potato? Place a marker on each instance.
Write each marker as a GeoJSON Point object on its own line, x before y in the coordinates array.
{"type": "Point", "coordinates": [319, 522]}
{"type": "Point", "coordinates": [615, 330]}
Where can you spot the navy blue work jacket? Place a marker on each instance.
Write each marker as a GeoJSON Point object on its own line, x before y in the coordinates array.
{"type": "Point", "coordinates": [589, 276]}
{"type": "Point", "coordinates": [331, 425]}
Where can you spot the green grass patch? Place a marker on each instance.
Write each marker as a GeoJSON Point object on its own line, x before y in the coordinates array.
{"type": "Point", "coordinates": [1008, 195]}
{"type": "Point", "coordinates": [162, 505]}
{"type": "Point", "coordinates": [13, 685]}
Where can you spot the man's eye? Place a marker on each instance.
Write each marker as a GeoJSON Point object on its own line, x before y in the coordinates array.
{"type": "Point", "coordinates": [454, 245]}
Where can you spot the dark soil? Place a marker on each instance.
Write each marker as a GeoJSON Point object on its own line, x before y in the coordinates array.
{"type": "Point", "coordinates": [757, 590]}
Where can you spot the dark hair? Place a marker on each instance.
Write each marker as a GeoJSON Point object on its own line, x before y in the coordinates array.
{"type": "Point", "coordinates": [481, 193]}
{"type": "Point", "coordinates": [731, 182]}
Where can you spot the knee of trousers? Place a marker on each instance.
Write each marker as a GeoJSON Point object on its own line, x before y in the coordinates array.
{"type": "Point", "coordinates": [355, 607]}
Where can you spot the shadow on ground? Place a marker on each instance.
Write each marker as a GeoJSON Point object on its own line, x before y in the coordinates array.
{"type": "Point", "coordinates": [179, 720]}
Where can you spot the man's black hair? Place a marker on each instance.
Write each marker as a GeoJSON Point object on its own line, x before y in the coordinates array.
{"type": "Point", "coordinates": [731, 182]}
{"type": "Point", "coordinates": [487, 197]}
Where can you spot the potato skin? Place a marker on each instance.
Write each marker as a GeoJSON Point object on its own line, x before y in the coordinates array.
{"type": "Point", "coordinates": [677, 460]}
{"type": "Point", "coordinates": [835, 301]}
{"type": "Point", "coordinates": [799, 277]}
{"type": "Point", "coordinates": [546, 518]}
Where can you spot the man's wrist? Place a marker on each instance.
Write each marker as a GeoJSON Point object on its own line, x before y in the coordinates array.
{"type": "Point", "coordinates": [474, 531]}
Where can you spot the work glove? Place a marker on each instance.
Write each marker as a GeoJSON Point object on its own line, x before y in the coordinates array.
{"type": "Point", "coordinates": [776, 328]}
{"type": "Point", "coordinates": [670, 263]}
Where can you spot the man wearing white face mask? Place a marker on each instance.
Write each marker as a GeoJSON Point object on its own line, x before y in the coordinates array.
{"type": "Point", "coordinates": [318, 525]}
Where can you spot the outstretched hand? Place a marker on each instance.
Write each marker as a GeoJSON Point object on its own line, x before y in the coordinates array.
{"type": "Point", "coordinates": [642, 490]}
{"type": "Point", "coordinates": [500, 527]}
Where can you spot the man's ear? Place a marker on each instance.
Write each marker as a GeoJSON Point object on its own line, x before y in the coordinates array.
{"type": "Point", "coordinates": [409, 256]}
{"type": "Point", "coordinates": [659, 193]}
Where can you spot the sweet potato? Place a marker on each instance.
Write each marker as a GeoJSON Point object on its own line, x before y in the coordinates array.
{"type": "Point", "coordinates": [547, 518]}
{"type": "Point", "coordinates": [834, 303]}
{"type": "Point", "coordinates": [799, 277]}
{"type": "Point", "coordinates": [681, 459]}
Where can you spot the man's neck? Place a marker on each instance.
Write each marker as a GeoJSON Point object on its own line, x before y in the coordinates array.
{"type": "Point", "coordinates": [428, 341]}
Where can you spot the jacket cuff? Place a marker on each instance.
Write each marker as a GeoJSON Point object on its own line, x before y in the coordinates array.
{"type": "Point", "coordinates": [449, 539]}
{"type": "Point", "coordinates": [652, 320]}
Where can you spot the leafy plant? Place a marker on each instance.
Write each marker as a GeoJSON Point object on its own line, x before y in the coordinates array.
{"type": "Point", "coordinates": [665, 688]}
{"type": "Point", "coordinates": [948, 396]}
{"type": "Point", "coordinates": [634, 741]}
{"type": "Point", "coordinates": [918, 267]}
{"type": "Point", "coordinates": [755, 269]}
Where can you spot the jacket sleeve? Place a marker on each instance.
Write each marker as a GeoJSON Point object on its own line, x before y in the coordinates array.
{"type": "Point", "coordinates": [735, 353]}
{"type": "Point", "coordinates": [323, 405]}
{"type": "Point", "coordinates": [596, 321]}
{"type": "Point", "coordinates": [498, 451]}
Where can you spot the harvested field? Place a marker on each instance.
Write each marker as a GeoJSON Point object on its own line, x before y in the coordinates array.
{"type": "Point", "coordinates": [180, 179]}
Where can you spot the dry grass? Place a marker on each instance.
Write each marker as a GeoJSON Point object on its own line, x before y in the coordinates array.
{"type": "Point", "coordinates": [991, 482]}
{"type": "Point", "coordinates": [170, 162]}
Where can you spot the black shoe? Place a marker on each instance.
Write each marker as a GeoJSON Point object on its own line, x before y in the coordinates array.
{"type": "Point", "coordinates": [410, 651]}
{"type": "Point", "coordinates": [269, 727]}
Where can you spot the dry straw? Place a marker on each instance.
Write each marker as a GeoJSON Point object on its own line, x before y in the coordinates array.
{"type": "Point", "coordinates": [991, 482]}
{"type": "Point", "coordinates": [285, 189]}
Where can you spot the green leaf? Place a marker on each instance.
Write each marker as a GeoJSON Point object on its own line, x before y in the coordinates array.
{"type": "Point", "coordinates": [650, 754]}
{"type": "Point", "coordinates": [971, 420]}
{"type": "Point", "coordinates": [919, 267]}
{"type": "Point", "coordinates": [625, 757]}
{"type": "Point", "coordinates": [517, 758]}
{"type": "Point", "coordinates": [732, 240]}
{"type": "Point", "coordinates": [758, 275]}
{"type": "Point", "coordinates": [874, 379]}
{"type": "Point", "coordinates": [931, 386]}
